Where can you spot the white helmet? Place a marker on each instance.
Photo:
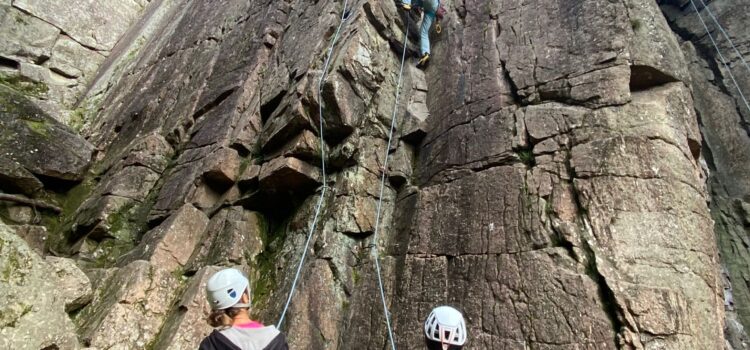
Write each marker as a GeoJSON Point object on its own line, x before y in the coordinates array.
{"type": "Point", "coordinates": [446, 325]}
{"type": "Point", "coordinates": [224, 289]}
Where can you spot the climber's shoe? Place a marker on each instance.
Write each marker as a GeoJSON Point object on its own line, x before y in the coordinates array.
{"type": "Point", "coordinates": [405, 7]}
{"type": "Point", "coordinates": [423, 61]}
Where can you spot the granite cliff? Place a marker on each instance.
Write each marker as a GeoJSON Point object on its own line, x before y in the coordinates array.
{"type": "Point", "coordinates": [569, 174]}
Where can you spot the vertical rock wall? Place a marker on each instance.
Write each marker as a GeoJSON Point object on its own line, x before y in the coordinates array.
{"type": "Point", "coordinates": [723, 118]}
{"type": "Point", "coordinates": [545, 176]}
{"type": "Point", "coordinates": [561, 200]}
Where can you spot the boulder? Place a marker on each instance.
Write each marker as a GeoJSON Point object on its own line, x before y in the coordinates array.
{"type": "Point", "coordinates": [221, 168]}
{"type": "Point", "coordinates": [32, 306]}
{"type": "Point", "coordinates": [15, 178]}
{"type": "Point", "coordinates": [289, 174]}
{"type": "Point", "coordinates": [354, 215]}
{"type": "Point", "coordinates": [96, 217]}
{"type": "Point", "coordinates": [39, 143]}
{"type": "Point", "coordinates": [400, 164]}
{"type": "Point", "coordinates": [25, 35]}
{"type": "Point", "coordinates": [133, 182]}
{"type": "Point", "coordinates": [21, 214]}
{"type": "Point", "coordinates": [344, 109]}
{"type": "Point", "coordinates": [74, 285]}
{"type": "Point", "coordinates": [413, 126]}
{"type": "Point", "coordinates": [204, 197]}
{"type": "Point", "coordinates": [129, 307]}
{"type": "Point", "coordinates": [305, 146]}
{"type": "Point", "coordinates": [283, 125]}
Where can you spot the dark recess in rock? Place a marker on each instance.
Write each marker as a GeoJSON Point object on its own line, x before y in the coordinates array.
{"type": "Point", "coordinates": [645, 77]}
{"type": "Point", "coordinates": [219, 99]}
{"type": "Point", "coordinates": [9, 63]}
{"type": "Point", "coordinates": [266, 110]}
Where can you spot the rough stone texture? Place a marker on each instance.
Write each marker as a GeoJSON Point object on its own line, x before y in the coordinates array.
{"type": "Point", "coordinates": [32, 306]}
{"type": "Point", "coordinates": [72, 60]}
{"type": "Point", "coordinates": [723, 120]}
{"type": "Point", "coordinates": [634, 166]}
{"type": "Point", "coordinates": [34, 235]}
{"type": "Point", "coordinates": [547, 176]}
{"type": "Point", "coordinates": [317, 325]}
{"type": "Point", "coordinates": [74, 285]}
{"type": "Point", "coordinates": [20, 214]}
{"type": "Point", "coordinates": [25, 36]}
{"type": "Point", "coordinates": [60, 46]}
{"type": "Point", "coordinates": [305, 146]}
{"type": "Point", "coordinates": [170, 245]}
{"type": "Point", "coordinates": [96, 216]}
{"type": "Point", "coordinates": [39, 143]}
{"type": "Point", "coordinates": [94, 24]}
{"type": "Point", "coordinates": [288, 174]}
{"type": "Point", "coordinates": [114, 208]}
{"type": "Point", "coordinates": [15, 178]}
{"type": "Point", "coordinates": [686, 23]}
{"type": "Point", "coordinates": [128, 308]}
{"type": "Point", "coordinates": [233, 237]}
{"type": "Point", "coordinates": [187, 326]}
{"type": "Point", "coordinates": [222, 168]}
{"type": "Point", "coordinates": [249, 177]}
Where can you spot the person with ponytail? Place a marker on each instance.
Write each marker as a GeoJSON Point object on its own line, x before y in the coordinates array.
{"type": "Point", "coordinates": [228, 293]}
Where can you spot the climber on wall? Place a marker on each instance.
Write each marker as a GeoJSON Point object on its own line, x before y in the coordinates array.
{"type": "Point", "coordinates": [228, 293]}
{"type": "Point", "coordinates": [445, 329]}
{"type": "Point", "coordinates": [432, 10]}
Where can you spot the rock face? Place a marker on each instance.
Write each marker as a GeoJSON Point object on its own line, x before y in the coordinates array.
{"type": "Point", "coordinates": [35, 295]}
{"type": "Point", "coordinates": [724, 120]}
{"type": "Point", "coordinates": [38, 143]}
{"type": "Point", "coordinates": [549, 173]}
{"type": "Point", "coordinates": [55, 48]}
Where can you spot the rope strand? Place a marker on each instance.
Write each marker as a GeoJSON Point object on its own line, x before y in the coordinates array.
{"type": "Point", "coordinates": [723, 61]}
{"type": "Point", "coordinates": [314, 224]}
{"type": "Point", "coordinates": [724, 32]}
{"type": "Point", "coordinates": [380, 196]}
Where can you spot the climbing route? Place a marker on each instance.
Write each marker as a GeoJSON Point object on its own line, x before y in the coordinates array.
{"type": "Point", "coordinates": [345, 14]}
{"type": "Point", "coordinates": [382, 186]}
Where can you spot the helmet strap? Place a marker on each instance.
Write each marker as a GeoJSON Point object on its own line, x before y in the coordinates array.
{"type": "Point", "coordinates": [241, 305]}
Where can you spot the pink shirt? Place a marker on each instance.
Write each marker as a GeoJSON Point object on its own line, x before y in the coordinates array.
{"type": "Point", "coordinates": [249, 325]}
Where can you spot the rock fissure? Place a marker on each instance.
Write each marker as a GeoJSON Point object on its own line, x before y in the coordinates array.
{"type": "Point", "coordinates": [62, 30]}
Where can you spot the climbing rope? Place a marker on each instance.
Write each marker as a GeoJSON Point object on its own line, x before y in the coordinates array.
{"type": "Point", "coordinates": [724, 32]}
{"type": "Point", "coordinates": [723, 61]}
{"type": "Point", "coordinates": [344, 17]}
{"type": "Point", "coordinates": [382, 186]}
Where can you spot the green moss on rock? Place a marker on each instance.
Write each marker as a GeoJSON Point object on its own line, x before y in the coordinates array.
{"type": "Point", "coordinates": [24, 85]}
{"type": "Point", "coordinates": [39, 127]}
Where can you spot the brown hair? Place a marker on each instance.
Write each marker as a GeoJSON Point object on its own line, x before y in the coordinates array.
{"type": "Point", "coordinates": [223, 318]}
